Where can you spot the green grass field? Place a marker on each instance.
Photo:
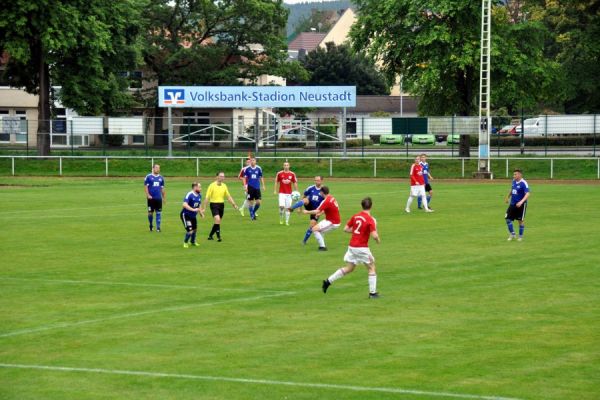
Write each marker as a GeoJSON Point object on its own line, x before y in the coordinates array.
{"type": "Point", "coordinates": [94, 306]}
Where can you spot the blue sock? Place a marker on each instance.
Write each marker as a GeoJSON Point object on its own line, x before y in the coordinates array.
{"type": "Point", "coordinates": [256, 207]}
{"type": "Point", "coordinates": [193, 237]}
{"type": "Point", "coordinates": [150, 220]}
{"type": "Point", "coordinates": [428, 200]}
{"type": "Point", "coordinates": [251, 209]}
{"type": "Point", "coordinates": [521, 229]}
{"type": "Point", "coordinates": [419, 201]}
{"type": "Point", "coordinates": [511, 229]}
{"type": "Point", "coordinates": [158, 215]}
{"type": "Point", "coordinates": [187, 237]}
{"type": "Point", "coordinates": [297, 204]}
{"type": "Point", "coordinates": [307, 234]}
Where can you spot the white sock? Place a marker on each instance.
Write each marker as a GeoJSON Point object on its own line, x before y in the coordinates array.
{"type": "Point", "coordinates": [409, 202]}
{"type": "Point", "coordinates": [281, 213]}
{"type": "Point", "coordinates": [287, 216]}
{"type": "Point", "coordinates": [319, 238]}
{"type": "Point", "coordinates": [244, 204]}
{"type": "Point", "coordinates": [336, 275]}
{"type": "Point", "coordinates": [424, 202]}
{"type": "Point", "coordinates": [372, 283]}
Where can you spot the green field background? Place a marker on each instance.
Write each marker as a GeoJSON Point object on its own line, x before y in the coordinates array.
{"type": "Point", "coordinates": [463, 312]}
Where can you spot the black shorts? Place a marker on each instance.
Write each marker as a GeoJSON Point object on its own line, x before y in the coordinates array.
{"type": "Point", "coordinates": [217, 209]}
{"type": "Point", "coordinates": [253, 193]}
{"type": "Point", "coordinates": [189, 223]}
{"type": "Point", "coordinates": [309, 207]}
{"type": "Point", "coordinates": [427, 187]}
{"type": "Point", "coordinates": [513, 212]}
{"type": "Point", "coordinates": [154, 205]}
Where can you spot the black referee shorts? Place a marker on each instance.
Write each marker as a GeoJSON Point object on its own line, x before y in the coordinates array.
{"type": "Point", "coordinates": [217, 209]}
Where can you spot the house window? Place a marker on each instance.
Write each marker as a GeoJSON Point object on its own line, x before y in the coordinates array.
{"type": "Point", "coordinates": [4, 126]}
{"type": "Point", "coordinates": [21, 133]}
{"type": "Point", "coordinates": [350, 127]}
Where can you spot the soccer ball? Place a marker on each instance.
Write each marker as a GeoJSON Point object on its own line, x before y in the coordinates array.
{"type": "Point", "coordinates": [295, 196]}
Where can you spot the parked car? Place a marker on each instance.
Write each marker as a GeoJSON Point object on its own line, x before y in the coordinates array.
{"type": "Point", "coordinates": [423, 139]}
{"type": "Point", "coordinates": [510, 130]}
{"type": "Point", "coordinates": [453, 139]}
{"type": "Point", "coordinates": [391, 139]}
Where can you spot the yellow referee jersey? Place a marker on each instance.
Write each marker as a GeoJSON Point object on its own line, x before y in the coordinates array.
{"type": "Point", "coordinates": [217, 193]}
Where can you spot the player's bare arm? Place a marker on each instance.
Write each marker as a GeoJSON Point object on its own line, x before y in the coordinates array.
{"type": "Point", "coordinates": [520, 203]}
{"type": "Point", "coordinates": [230, 200]}
{"type": "Point", "coordinates": [376, 237]}
{"type": "Point", "coordinates": [348, 229]}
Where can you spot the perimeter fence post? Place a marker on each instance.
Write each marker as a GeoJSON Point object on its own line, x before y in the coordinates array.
{"type": "Point", "coordinates": [375, 168]}
{"type": "Point", "coordinates": [13, 166]}
{"type": "Point", "coordinates": [330, 166]}
{"type": "Point", "coordinates": [60, 166]}
{"type": "Point", "coordinates": [106, 166]}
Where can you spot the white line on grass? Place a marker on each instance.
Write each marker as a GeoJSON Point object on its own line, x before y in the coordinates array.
{"type": "Point", "coordinates": [150, 285]}
{"type": "Point", "coordinates": [136, 314]}
{"type": "Point", "coordinates": [258, 381]}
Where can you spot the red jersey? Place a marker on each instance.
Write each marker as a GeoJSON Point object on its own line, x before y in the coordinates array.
{"type": "Point", "coordinates": [285, 180]}
{"type": "Point", "coordinates": [331, 209]}
{"type": "Point", "coordinates": [241, 174]}
{"type": "Point", "coordinates": [362, 225]}
{"type": "Point", "coordinates": [416, 175]}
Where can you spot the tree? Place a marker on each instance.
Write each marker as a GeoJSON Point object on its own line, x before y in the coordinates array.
{"type": "Point", "coordinates": [575, 27]}
{"type": "Point", "coordinates": [80, 45]}
{"type": "Point", "coordinates": [206, 42]}
{"type": "Point", "coordinates": [338, 65]}
{"type": "Point", "coordinates": [435, 47]}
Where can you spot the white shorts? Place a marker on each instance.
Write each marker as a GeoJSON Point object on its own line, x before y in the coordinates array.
{"type": "Point", "coordinates": [359, 255]}
{"type": "Point", "coordinates": [285, 200]}
{"type": "Point", "coordinates": [417, 190]}
{"type": "Point", "coordinates": [326, 226]}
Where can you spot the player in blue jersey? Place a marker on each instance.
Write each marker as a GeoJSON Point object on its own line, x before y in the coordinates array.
{"type": "Point", "coordinates": [154, 186]}
{"type": "Point", "coordinates": [518, 195]}
{"type": "Point", "coordinates": [191, 208]}
{"type": "Point", "coordinates": [427, 177]}
{"type": "Point", "coordinates": [253, 181]}
{"type": "Point", "coordinates": [311, 200]}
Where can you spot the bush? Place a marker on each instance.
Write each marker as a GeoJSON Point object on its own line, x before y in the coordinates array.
{"type": "Point", "coordinates": [112, 140]}
{"type": "Point", "coordinates": [358, 142]}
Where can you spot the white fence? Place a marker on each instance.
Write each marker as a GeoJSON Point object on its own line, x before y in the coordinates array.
{"type": "Point", "coordinates": [502, 167]}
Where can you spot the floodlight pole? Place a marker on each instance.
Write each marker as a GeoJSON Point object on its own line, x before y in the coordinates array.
{"type": "Point", "coordinates": [485, 123]}
{"type": "Point", "coordinates": [344, 119]}
{"type": "Point", "coordinates": [170, 126]}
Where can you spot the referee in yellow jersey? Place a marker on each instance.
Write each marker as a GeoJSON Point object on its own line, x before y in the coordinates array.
{"type": "Point", "coordinates": [215, 196]}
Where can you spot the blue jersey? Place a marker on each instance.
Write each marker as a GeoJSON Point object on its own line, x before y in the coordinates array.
{"type": "Point", "coordinates": [425, 167]}
{"type": "Point", "coordinates": [253, 175]}
{"type": "Point", "coordinates": [155, 184]}
{"type": "Point", "coordinates": [313, 194]}
{"type": "Point", "coordinates": [519, 188]}
{"type": "Point", "coordinates": [193, 200]}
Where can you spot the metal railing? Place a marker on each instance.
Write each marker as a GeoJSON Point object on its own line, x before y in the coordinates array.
{"type": "Point", "coordinates": [360, 167]}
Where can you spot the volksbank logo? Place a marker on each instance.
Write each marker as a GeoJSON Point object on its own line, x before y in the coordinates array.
{"type": "Point", "coordinates": [174, 96]}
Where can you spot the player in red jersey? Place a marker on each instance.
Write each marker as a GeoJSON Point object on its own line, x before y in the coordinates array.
{"type": "Point", "coordinates": [417, 185]}
{"type": "Point", "coordinates": [285, 179]}
{"type": "Point", "coordinates": [362, 226]}
{"type": "Point", "coordinates": [242, 178]}
{"type": "Point", "coordinates": [330, 208]}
